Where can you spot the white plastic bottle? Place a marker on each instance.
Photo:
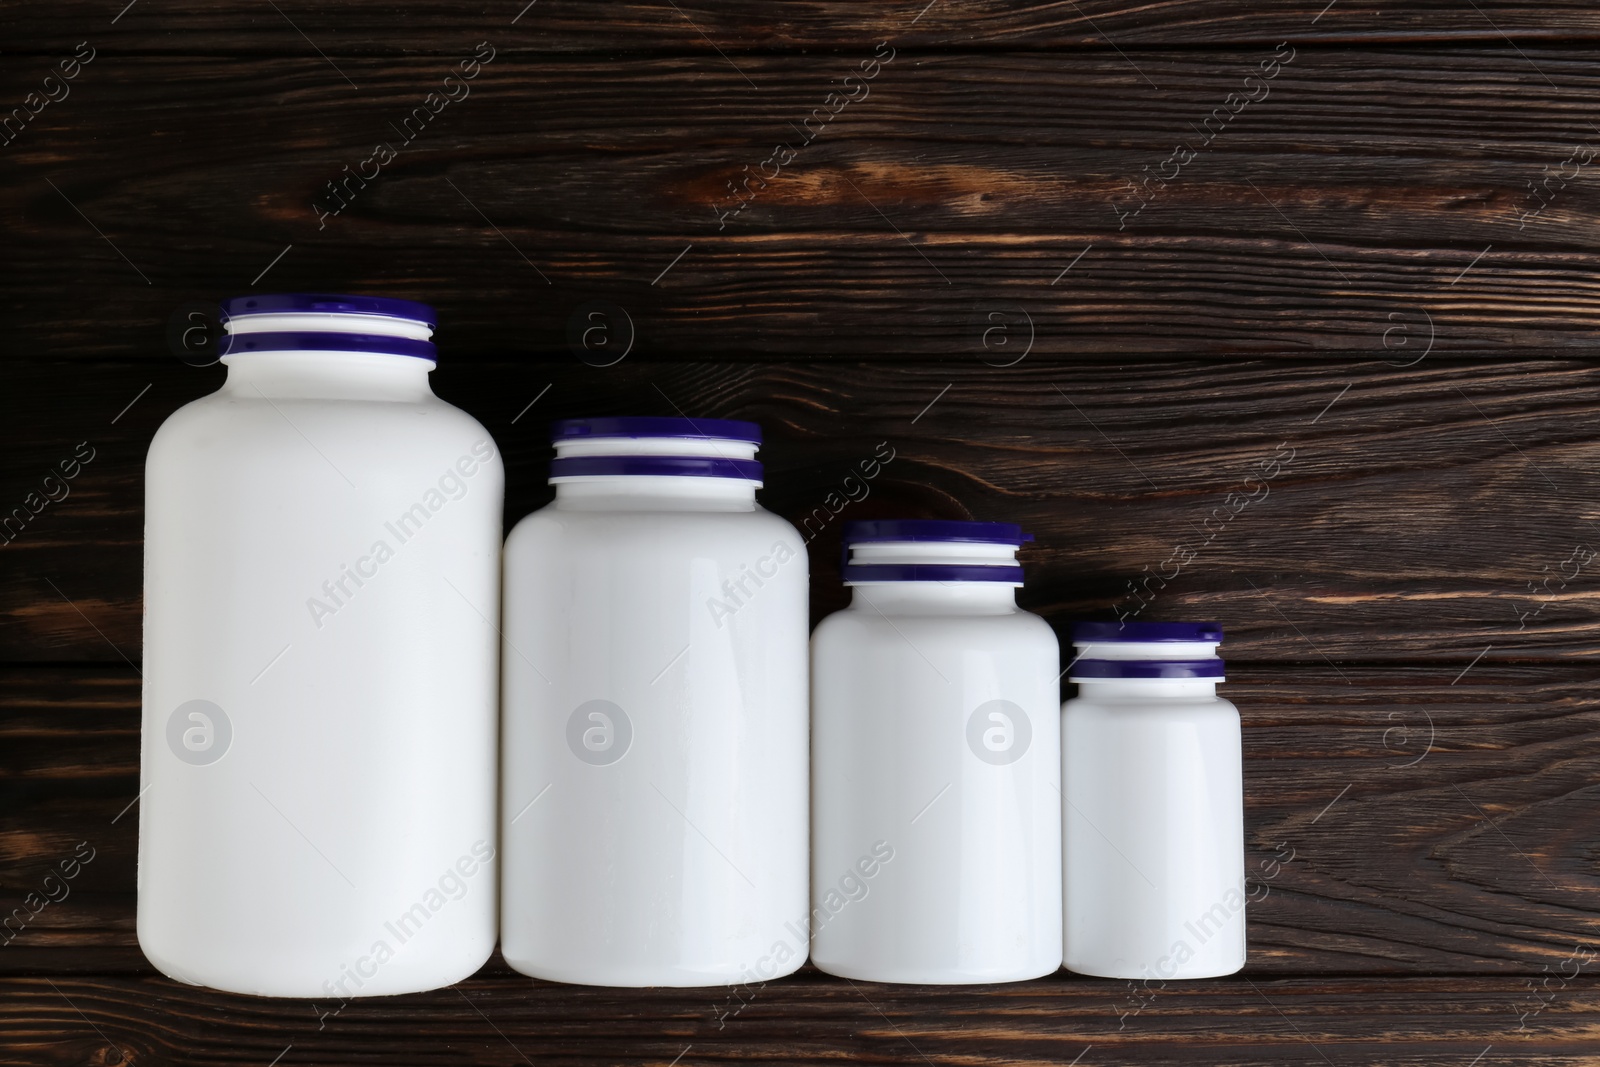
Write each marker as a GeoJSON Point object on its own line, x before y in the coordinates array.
{"type": "Point", "coordinates": [935, 728]}
{"type": "Point", "coordinates": [1154, 805]}
{"type": "Point", "coordinates": [322, 569]}
{"type": "Point", "coordinates": [655, 804]}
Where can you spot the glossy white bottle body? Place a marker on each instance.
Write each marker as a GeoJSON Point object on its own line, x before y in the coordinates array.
{"type": "Point", "coordinates": [932, 863]}
{"type": "Point", "coordinates": [655, 800]}
{"type": "Point", "coordinates": [324, 824]}
{"type": "Point", "coordinates": [1154, 830]}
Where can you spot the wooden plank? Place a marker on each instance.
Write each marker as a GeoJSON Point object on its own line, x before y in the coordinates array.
{"type": "Point", "coordinates": [1398, 820]}
{"type": "Point", "coordinates": [1429, 513]}
{"type": "Point", "coordinates": [811, 1019]}
{"type": "Point", "coordinates": [1369, 197]}
{"type": "Point", "coordinates": [706, 26]}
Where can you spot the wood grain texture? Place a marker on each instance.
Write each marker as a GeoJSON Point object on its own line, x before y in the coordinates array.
{"type": "Point", "coordinates": [707, 26]}
{"type": "Point", "coordinates": [1399, 820]}
{"type": "Point", "coordinates": [810, 1019]}
{"type": "Point", "coordinates": [1415, 514]}
{"type": "Point", "coordinates": [1438, 193]}
{"type": "Point", "coordinates": [1377, 282]}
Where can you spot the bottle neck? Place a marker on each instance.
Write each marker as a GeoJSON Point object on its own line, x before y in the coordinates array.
{"type": "Point", "coordinates": [666, 493]}
{"type": "Point", "coordinates": [1146, 690]}
{"type": "Point", "coordinates": [934, 598]}
{"type": "Point", "coordinates": [328, 376]}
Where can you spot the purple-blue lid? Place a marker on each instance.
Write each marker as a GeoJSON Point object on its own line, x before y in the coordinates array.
{"type": "Point", "coordinates": [652, 426]}
{"type": "Point", "coordinates": [993, 533]}
{"type": "Point", "coordinates": [930, 530]}
{"type": "Point", "coordinates": [855, 573]}
{"type": "Point", "coordinates": [1145, 668]}
{"type": "Point", "coordinates": [328, 304]}
{"type": "Point", "coordinates": [1085, 633]}
{"type": "Point", "coordinates": [655, 466]}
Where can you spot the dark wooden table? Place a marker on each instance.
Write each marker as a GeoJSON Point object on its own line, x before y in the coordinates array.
{"type": "Point", "coordinates": [1083, 265]}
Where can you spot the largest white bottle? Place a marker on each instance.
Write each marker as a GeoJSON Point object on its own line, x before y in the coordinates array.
{"type": "Point", "coordinates": [322, 542]}
{"type": "Point", "coordinates": [655, 766]}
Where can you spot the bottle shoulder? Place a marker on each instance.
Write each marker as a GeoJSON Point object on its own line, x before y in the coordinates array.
{"type": "Point", "coordinates": [425, 426]}
{"type": "Point", "coordinates": [1017, 629]}
{"type": "Point", "coordinates": [199, 423]}
{"type": "Point", "coordinates": [751, 530]}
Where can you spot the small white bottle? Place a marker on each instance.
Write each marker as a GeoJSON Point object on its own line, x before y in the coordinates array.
{"type": "Point", "coordinates": [317, 812]}
{"type": "Point", "coordinates": [655, 805]}
{"type": "Point", "coordinates": [1154, 805]}
{"type": "Point", "coordinates": [936, 853]}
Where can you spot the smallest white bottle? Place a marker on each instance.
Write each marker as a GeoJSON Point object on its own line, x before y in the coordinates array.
{"type": "Point", "coordinates": [1153, 819]}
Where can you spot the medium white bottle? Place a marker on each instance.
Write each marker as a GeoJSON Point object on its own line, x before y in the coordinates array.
{"type": "Point", "coordinates": [936, 852]}
{"type": "Point", "coordinates": [320, 664]}
{"type": "Point", "coordinates": [1154, 805]}
{"type": "Point", "coordinates": [655, 803]}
